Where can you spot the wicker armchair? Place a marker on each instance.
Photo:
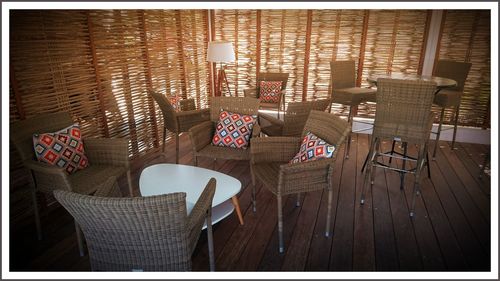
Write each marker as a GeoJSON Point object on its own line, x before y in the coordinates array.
{"type": "Point", "coordinates": [403, 113]}
{"type": "Point", "coordinates": [254, 92]}
{"type": "Point", "coordinates": [152, 233]}
{"type": "Point", "coordinates": [270, 163]}
{"type": "Point", "coordinates": [457, 71]}
{"type": "Point", "coordinates": [294, 119]}
{"type": "Point", "coordinates": [107, 158]}
{"type": "Point", "coordinates": [178, 122]}
{"type": "Point", "coordinates": [344, 91]}
{"type": "Point", "coordinates": [201, 134]}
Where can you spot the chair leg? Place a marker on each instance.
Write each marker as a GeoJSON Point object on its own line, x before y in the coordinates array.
{"type": "Point", "coordinates": [350, 121]}
{"type": "Point", "coordinates": [392, 150]}
{"type": "Point", "coordinates": [254, 200]}
{"type": "Point", "coordinates": [402, 174]}
{"type": "Point", "coordinates": [37, 214]}
{"type": "Point", "coordinates": [214, 162]}
{"type": "Point", "coordinates": [211, 256]}
{"type": "Point", "coordinates": [280, 226]}
{"type": "Point", "coordinates": [129, 182]}
{"type": "Point", "coordinates": [297, 204]}
{"type": "Point", "coordinates": [438, 134]}
{"type": "Point", "coordinates": [236, 204]}
{"type": "Point", "coordinates": [329, 212]}
{"type": "Point", "coordinates": [164, 138]}
{"type": "Point", "coordinates": [369, 161]}
{"type": "Point", "coordinates": [195, 159]}
{"type": "Point", "coordinates": [79, 239]}
{"type": "Point", "coordinates": [176, 148]}
{"type": "Point", "coordinates": [427, 162]}
{"type": "Point", "coordinates": [457, 110]}
{"type": "Point", "coordinates": [416, 186]}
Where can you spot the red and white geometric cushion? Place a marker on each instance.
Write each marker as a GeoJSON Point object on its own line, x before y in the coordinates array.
{"type": "Point", "coordinates": [233, 130]}
{"type": "Point", "coordinates": [175, 102]}
{"type": "Point", "coordinates": [63, 148]}
{"type": "Point", "coordinates": [270, 91]}
{"type": "Point", "coordinates": [313, 148]}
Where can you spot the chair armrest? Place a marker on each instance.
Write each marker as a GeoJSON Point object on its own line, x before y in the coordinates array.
{"type": "Point", "coordinates": [273, 120]}
{"type": "Point", "coordinates": [252, 93]}
{"type": "Point", "coordinates": [273, 149]}
{"type": "Point", "coordinates": [107, 151]}
{"type": "Point", "coordinates": [48, 177]}
{"type": "Point", "coordinates": [201, 209]}
{"type": "Point", "coordinates": [256, 131]}
{"type": "Point", "coordinates": [188, 119]}
{"type": "Point", "coordinates": [201, 135]}
{"type": "Point", "coordinates": [305, 176]}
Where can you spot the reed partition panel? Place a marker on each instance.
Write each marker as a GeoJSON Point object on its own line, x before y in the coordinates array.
{"type": "Point", "coordinates": [466, 37]}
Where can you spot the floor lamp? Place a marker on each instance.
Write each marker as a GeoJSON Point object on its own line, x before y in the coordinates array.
{"type": "Point", "coordinates": [220, 52]}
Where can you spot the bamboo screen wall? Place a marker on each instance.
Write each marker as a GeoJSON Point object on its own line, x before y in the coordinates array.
{"type": "Point", "coordinates": [98, 64]}
{"type": "Point", "coordinates": [303, 42]}
{"type": "Point", "coordinates": [466, 37]}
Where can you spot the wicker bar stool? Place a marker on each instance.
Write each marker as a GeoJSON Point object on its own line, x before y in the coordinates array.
{"type": "Point", "coordinates": [457, 71]}
{"type": "Point", "coordinates": [294, 119]}
{"type": "Point", "coordinates": [344, 91]}
{"type": "Point", "coordinates": [152, 233]}
{"type": "Point", "coordinates": [403, 113]}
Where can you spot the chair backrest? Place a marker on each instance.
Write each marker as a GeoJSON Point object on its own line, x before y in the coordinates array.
{"type": "Point", "coordinates": [242, 105]}
{"type": "Point", "coordinates": [272, 76]}
{"type": "Point", "coordinates": [167, 110]}
{"type": "Point", "coordinates": [21, 132]}
{"type": "Point", "coordinates": [328, 127]}
{"type": "Point", "coordinates": [297, 114]}
{"type": "Point", "coordinates": [455, 70]}
{"type": "Point", "coordinates": [403, 109]}
{"type": "Point", "coordinates": [342, 74]}
{"type": "Point", "coordinates": [126, 234]}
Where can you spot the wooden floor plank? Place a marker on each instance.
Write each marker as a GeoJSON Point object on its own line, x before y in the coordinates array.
{"type": "Point", "coordinates": [474, 170]}
{"type": "Point", "coordinates": [364, 244]}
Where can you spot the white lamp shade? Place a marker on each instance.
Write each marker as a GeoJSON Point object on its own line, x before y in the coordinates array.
{"type": "Point", "coordinates": [220, 51]}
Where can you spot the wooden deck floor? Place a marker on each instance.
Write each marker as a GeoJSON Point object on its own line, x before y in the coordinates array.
{"type": "Point", "coordinates": [451, 229]}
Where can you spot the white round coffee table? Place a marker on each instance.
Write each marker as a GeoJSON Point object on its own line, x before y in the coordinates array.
{"type": "Point", "coordinates": [168, 178]}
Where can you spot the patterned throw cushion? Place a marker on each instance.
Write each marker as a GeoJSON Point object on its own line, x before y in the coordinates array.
{"type": "Point", "coordinates": [313, 148]}
{"type": "Point", "coordinates": [233, 130]}
{"type": "Point", "coordinates": [270, 91]}
{"type": "Point", "coordinates": [175, 102]}
{"type": "Point", "coordinates": [63, 148]}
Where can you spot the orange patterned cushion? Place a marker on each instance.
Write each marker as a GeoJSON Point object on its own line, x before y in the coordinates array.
{"type": "Point", "coordinates": [313, 148]}
{"type": "Point", "coordinates": [175, 102]}
{"type": "Point", "coordinates": [233, 130]}
{"type": "Point", "coordinates": [270, 91]}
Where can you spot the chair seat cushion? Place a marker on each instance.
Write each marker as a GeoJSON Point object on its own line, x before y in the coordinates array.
{"type": "Point", "coordinates": [90, 179]}
{"type": "Point", "coordinates": [63, 148]}
{"type": "Point", "coordinates": [354, 95]}
{"type": "Point", "coordinates": [446, 98]}
{"type": "Point", "coordinates": [270, 91]}
{"type": "Point", "coordinates": [313, 148]}
{"type": "Point", "coordinates": [233, 130]}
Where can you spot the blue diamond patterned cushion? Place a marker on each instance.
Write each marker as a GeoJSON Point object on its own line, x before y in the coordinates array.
{"type": "Point", "coordinates": [233, 130]}
{"type": "Point", "coordinates": [313, 148]}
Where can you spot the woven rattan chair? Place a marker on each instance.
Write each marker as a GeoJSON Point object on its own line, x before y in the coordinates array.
{"type": "Point", "coordinates": [143, 233]}
{"type": "Point", "coordinates": [270, 164]}
{"type": "Point", "coordinates": [403, 113]}
{"type": "Point", "coordinates": [451, 97]}
{"type": "Point", "coordinates": [107, 158]}
{"type": "Point", "coordinates": [201, 135]}
{"type": "Point", "coordinates": [344, 91]}
{"type": "Point", "coordinates": [269, 76]}
{"type": "Point", "coordinates": [294, 119]}
{"type": "Point", "coordinates": [178, 122]}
